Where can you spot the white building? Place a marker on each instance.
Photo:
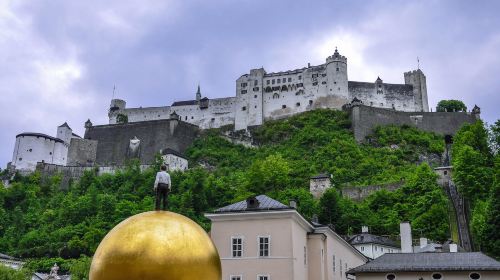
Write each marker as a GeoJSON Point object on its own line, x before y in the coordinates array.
{"type": "Point", "coordinates": [31, 148]}
{"type": "Point", "coordinates": [262, 96]}
{"type": "Point", "coordinates": [373, 246]}
{"type": "Point", "coordinates": [263, 239]}
{"type": "Point", "coordinates": [174, 160]}
{"type": "Point", "coordinates": [11, 262]}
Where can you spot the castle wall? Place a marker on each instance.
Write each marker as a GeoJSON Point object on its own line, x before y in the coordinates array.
{"type": "Point", "coordinates": [360, 193]}
{"type": "Point", "coordinates": [82, 152]}
{"type": "Point", "coordinates": [30, 149]}
{"type": "Point", "coordinates": [113, 147]}
{"type": "Point", "coordinates": [175, 163]}
{"type": "Point", "coordinates": [365, 118]}
{"type": "Point", "coordinates": [390, 96]}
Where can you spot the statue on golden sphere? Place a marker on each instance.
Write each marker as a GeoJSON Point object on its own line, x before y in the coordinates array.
{"type": "Point", "coordinates": [156, 245]}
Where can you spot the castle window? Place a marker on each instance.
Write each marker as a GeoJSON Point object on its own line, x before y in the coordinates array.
{"type": "Point", "coordinates": [244, 108]}
{"type": "Point", "coordinates": [20, 159]}
{"type": "Point", "coordinates": [323, 83]}
{"type": "Point", "coordinates": [314, 76]}
{"type": "Point", "coordinates": [273, 81]}
{"type": "Point", "coordinates": [279, 81]}
{"type": "Point", "coordinates": [244, 91]}
{"type": "Point", "coordinates": [256, 89]}
{"type": "Point", "coordinates": [310, 102]}
{"type": "Point", "coordinates": [283, 106]}
{"type": "Point", "coordinates": [381, 104]}
{"type": "Point", "coordinates": [437, 276]}
{"type": "Point", "coordinates": [300, 77]}
{"type": "Point", "coordinates": [298, 104]}
{"type": "Point", "coordinates": [445, 172]}
{"type": "Point", "coordinates": [243, 84]}
{"type": "Point", "coordinates": [315, 83]}
{"type": "Point", "coordinates": [275, 96]}
{"type": "Point", "coordinates": [269, 89]}
{"type": "Point", "coordinates": [284, 80]}
{"type": "Point", "coordinates": [30, 150]}
{"type": "Point", "coordinates": [289, 80]}
{"type": "Point", "coordinates": [51, 152]}
{"type": "Point", "coordinates": [213, 119]}
{"type": "Point", "coordinates": [255, 96]}
{"type": "Point", "coordinates": [192, 117]}
{"type": "Point", "coordinates": [334, 83]}
{"type": "Point", "coordinates": [371, 103]}
{"type": "Point", "coordinates": [323, 75]}
{"type": "Point", "coordinates": [337, 69]}
{"type": "Point", "coordinates": [186, 118]}
{"type": "Point", "coordinates": [300, 85]}
{"type": "Point", "coordinates": [255, 82]}
{"type": "Point", "coordinates": [475, 276]}
{"type": "Point", "coordinates": [268, 81]}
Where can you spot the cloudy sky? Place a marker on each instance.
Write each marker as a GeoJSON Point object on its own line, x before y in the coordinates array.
{"type": "Point", "coordinates": [59, 59]}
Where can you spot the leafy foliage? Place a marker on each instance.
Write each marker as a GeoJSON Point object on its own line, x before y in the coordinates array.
{"type": "Point", "coordinates": [42, 222]}
{"type": "Point", "coordinates": [451, 106]}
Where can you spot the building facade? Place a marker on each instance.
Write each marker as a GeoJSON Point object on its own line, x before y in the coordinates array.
{"type": "Point", "coordinates": [373, 246]}
{"type": "Point", "coordinates": [263, 239]}
{"type": "Point", "coordinates": [429, 266]}
{"type": "Point", "coordinates": [262, 96]}
{"type": "Point", "coordinates": [31, 148]}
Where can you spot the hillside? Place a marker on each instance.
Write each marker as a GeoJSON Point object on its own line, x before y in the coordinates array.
{"type": "Point", "coordinates": [38, 220]}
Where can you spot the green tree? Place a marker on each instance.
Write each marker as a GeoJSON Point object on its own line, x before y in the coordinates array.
{"type": "Point", "coordinates": [7, 273]}
{"type": "Point", "coordinates": [451, 106]}
{"type": "Point", "coordinates": [330, 211]}
{"type": "Point", "coordinates": [121, 118]}
{"type": "Point", "coordinates": [270, 174]}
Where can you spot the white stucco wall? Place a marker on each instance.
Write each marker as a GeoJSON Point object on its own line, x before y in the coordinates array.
{"type": "Point", "coordinates": [175, 163]}
{"type": "Point", "coordinates": [262, 96]}
{"type": "Point", "coordinates": [29, 150]}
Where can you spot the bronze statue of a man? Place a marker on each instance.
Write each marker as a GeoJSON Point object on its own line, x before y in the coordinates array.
{"type": "Point", "coordinates": [162, 188]}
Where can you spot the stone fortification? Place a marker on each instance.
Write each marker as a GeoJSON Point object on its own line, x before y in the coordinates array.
{"type": "Point", "coordinates": [359, 193]}
{"type": "Point", "coordinates": [262, 96]}
{"type": "Point", "coordinates": [142, 140]}
{"type": "Point", "coordinates": [365, 118]}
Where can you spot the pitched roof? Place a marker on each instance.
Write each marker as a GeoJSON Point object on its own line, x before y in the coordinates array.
{"type": "Point", "coordinates": [173, 152]}
{"type": "Point", "coordinates": [43, 276]}
{"type": "Point", "coordinates": [364, 238]}
{"type": "Point", "coordinates": [265, 203]}
{"type": "Point", "coordinates": [35, 134]}
{"type": "Point", "coordinates": [321, 176]}
{"type": "Point", "coordinates": [392, 262]}
{"type": "Point", "coordinates": [184, 103]}
{"type": "Point", "coordinates": [6, 257]}
{"type": "Point", "coordinates": [65, 124]}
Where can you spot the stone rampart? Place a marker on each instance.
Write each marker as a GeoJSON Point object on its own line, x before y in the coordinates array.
{"type": "Point", "coordinates": [358, 193]}
{"type": "Point", "coordinates": [365, 118]}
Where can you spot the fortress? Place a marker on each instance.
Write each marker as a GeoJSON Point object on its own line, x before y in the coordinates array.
{"type": "Point", "coordinates": [142, 133]}
{"type": "Point", "coordinates": [262, 96]}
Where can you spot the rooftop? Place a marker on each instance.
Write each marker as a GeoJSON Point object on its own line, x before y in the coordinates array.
{"type": "Point", "coordinates": [365, 238]}
{"type": "Point", "coordinates": [392, 262]}
{"type": "Point", "coordinates": [264, 203]}
{"type": "Point", "coordinates": [35, 134]}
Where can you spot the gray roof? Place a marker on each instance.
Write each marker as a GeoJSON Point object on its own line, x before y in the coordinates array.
{"type": "Point", "coordinates": [6, 257]}
{"type": "Point", "coordinates": [35, 134]}
{"type": "Point", "coordinates": [43, 276]}
{"type": "Point", "coordinates": [392, 262]}
{"type": "Point", "coordinates": [184, 103]}
{"type": "Point", "coordinates": [321, 176]}
{"type": "Point", "coordinates": [365, 238]}
{"type": "Point", "coordinates": [173, 152]}
{"type": "Point", "coordinates": [265, 203]}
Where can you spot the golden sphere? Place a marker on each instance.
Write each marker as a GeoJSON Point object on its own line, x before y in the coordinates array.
{"type": "Point", "coordinates": [157, 245]}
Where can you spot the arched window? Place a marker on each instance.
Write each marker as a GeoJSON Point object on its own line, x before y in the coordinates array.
{"type": "Point", "coordinates": [284, 88]}
{"type": "Point", "coordinates": [276, 96]}
{"type": "Point", "coordinates": [390, 276]}
{"type": "Point", "coordinates": [475, 276]}
{"type": "Point", "coordinates": [268, 89]}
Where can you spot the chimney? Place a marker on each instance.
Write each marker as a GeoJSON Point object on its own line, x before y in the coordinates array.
{"type": "Point", "coordinates": [423, 242]}
{"type": "Point", "coordinates": [453, 248]}
{"type": "Point", "coordinates": [364, 229]}
{"type": "Point", "coordinates": [406, 239]}
{"type": "Point", "coordinates": [315, 218]}
{"type": "Point", "coordinates": [293, 204]}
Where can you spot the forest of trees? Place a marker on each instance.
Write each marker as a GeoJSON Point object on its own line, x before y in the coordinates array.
{"type": "Point", "coordinates": [44, 224]}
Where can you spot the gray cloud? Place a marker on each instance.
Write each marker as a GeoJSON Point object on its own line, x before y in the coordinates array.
{"type": "Point", "coordinates": [60, 59]}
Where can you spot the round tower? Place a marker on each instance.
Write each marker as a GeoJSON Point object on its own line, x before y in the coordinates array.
{"type": "Point", "coordinates": [117, 105]}
{"type": "Point", "coordinates": [336, 69]}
